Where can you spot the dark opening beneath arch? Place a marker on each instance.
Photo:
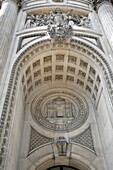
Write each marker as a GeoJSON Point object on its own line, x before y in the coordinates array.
{"type": "Point", "coordinates": [61, 167]}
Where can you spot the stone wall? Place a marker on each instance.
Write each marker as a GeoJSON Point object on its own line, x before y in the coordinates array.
{"type": "Point", "coordinates": [65, 66]}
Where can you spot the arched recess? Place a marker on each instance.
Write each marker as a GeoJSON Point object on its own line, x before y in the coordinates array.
{"type": "Point", "coordinates": [31, 52]}
{"type": "Point", "coordinates": [77, 161]}
{"type": "Point", "coordinates": [77, 45]}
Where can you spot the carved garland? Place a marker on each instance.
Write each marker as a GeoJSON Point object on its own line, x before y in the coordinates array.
{"type": "Point", "coordinates": [6, 117]}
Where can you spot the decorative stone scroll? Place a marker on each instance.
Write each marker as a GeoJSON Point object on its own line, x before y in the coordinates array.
{"type": "Point", "coordinates": [59, 110]}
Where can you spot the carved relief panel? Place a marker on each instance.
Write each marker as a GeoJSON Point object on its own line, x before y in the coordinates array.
{"type": "Point", "coordinates": [59, 110]}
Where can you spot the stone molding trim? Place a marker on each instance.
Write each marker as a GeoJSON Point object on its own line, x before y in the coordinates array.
{"type": "Point", "coordinates": [37, 140]}
{"type": "Point", "coordinates": [85, 139]}
{"type": "Point", "coordinates": [49, 4]}
{"type": "Point", "coordinates": [75, 44]}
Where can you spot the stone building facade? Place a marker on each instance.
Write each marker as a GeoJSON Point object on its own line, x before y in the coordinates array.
{"type": "Point", "coordinates": [56, 85]}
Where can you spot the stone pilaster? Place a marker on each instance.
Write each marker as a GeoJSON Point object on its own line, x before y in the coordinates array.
{"type": "Point", "coordinates": [8, 14]}
{"type": "Point", "coordinates": [105, 13]}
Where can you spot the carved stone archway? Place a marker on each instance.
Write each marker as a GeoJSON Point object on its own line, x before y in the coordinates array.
{"type": "Point", "coordinates": [77, 163]}
{"type": "Point", "coordinates": [32, 52]}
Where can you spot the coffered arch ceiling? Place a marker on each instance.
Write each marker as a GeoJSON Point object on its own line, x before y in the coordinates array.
{"type": "Point", "coordinates": [73, 64]}
{"type": "Point", "coordinates": [64, 67]}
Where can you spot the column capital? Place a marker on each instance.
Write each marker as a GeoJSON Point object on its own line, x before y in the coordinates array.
{"type": "Point", "coordinates": [97, 3]}
{"type": "Point", "coordinates": [17, 2]}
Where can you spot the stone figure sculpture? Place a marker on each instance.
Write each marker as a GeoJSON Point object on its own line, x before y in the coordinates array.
{"type": "Point", "coordinates": [57, 18]}
{"type": "Point", "coordinates": [59, 24]}
{"type": "Point", "coordinates": [60, 28]}
{"type": "Point", "coordinates": [30, 21]}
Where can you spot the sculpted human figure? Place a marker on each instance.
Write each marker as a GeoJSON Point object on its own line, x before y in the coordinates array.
{"type": "Point", "coordinates": [30, 21]}
{"type": "Point", "coordinates": [51, 18]}
{"type": "Point", "coordinates": [45, 19]}
{"type": "Point", "coordinates": [62, 18]}
{"type": "Point", "coordinates": [87, 23]}
{"type": "Point", "coordinates": [58, 18]}
{"type": "Point", "coordinates": [66, 17]}
{"type": "Point", "coordinates": [57, 21]}
{"type": "Point", "coordinates": [38, 20]}
{"type": "Point", "coordinates": [71, 20]}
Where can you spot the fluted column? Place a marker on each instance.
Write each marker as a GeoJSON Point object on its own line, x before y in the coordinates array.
{"type": "Point", "coordinates": [8, 14]}
{"type": "Point", "coordinates": [105, 13]}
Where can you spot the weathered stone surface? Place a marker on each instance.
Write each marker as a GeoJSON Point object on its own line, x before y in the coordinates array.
{"type": "Point", "coordinates": [57, 78]}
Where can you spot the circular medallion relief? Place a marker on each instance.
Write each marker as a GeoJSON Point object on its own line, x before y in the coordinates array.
{"type": "Point", "coordinates": [59, 110]}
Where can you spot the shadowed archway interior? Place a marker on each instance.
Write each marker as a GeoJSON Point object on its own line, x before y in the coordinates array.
{"type": "Point", "coordinates": [61, 167]}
